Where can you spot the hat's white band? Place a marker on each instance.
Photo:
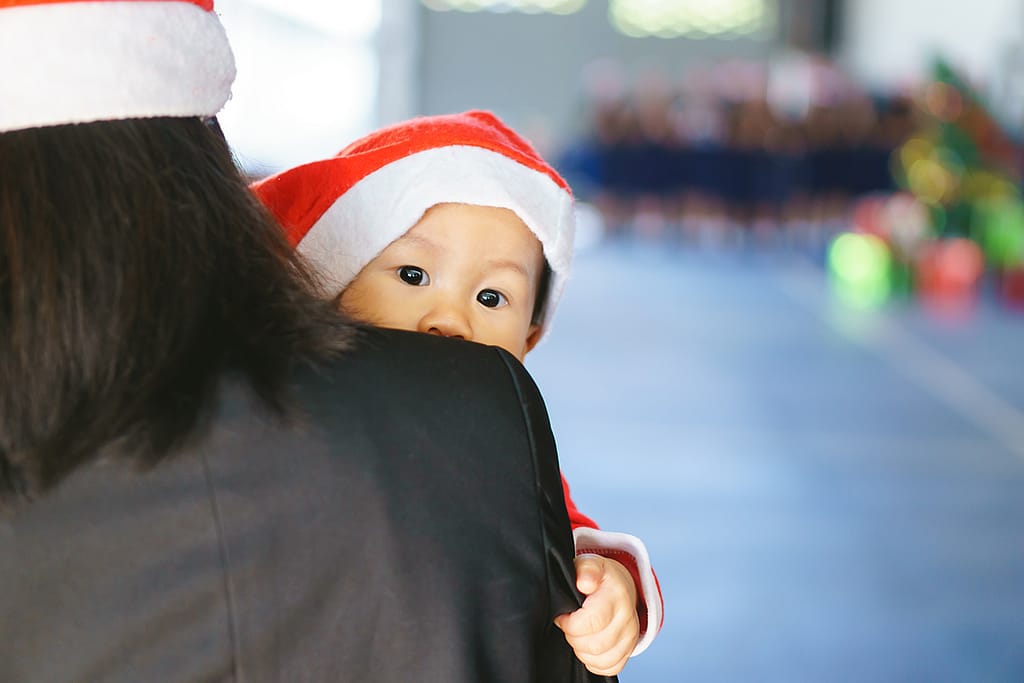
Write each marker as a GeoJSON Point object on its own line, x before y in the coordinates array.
{"type": "Point", "coordinates": [75, 62]}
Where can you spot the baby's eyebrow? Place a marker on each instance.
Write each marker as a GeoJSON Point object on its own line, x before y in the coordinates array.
{"type": "Point", "coordinates": [495, 263]}
{"type": "Point", "coordinates": [419, 240]}
{"type": "Point", "coordinates": [508, 264]}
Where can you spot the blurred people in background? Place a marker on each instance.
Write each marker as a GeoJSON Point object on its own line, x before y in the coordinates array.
{"type": "Point", "coordinates": [794, 154]}
{"type": "Point", "coordinates": [722, 157]}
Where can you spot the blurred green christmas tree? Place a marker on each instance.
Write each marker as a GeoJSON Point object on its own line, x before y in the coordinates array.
{"type": "Point", "coordinates": [966, 170]}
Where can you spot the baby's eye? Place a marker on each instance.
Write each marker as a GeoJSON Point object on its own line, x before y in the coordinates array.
{"type": "Point", "coordinates": [411, 275]}
{"type": "Point", "coordinates": [491, 298]}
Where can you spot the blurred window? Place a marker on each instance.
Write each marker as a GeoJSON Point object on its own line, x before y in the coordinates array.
{"type": "Point", "coordinates": [694, 18]}
{"type": "Point", "coordinates": [308, 76]}
{"type": "Point", "coordinates": [529, 6]}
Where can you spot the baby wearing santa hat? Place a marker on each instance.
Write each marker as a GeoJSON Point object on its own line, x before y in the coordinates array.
{"type": "Point", "coordinates": [453, 225]}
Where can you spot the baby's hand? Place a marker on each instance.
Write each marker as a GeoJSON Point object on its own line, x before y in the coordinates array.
{"type": "Point", "coordinates": [605, 630]}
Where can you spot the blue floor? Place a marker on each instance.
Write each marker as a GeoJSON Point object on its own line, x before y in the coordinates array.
{"type": "Point", "coordinates": [827, 495]}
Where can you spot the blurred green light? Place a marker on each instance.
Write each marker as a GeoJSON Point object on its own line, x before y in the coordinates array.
{"type": "Point", "coordinates": [859, 269]}
{"type": "Point", "coordinates": [1002, 232]}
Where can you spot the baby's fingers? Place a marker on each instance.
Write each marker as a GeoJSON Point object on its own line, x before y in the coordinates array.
{"type": "Point", "coordinates": [603, 653]}
{"type": "Point", "coordinates": [601, 669]}
{"type": "Point", "coordinates": [588, 620]}
{"type": "Point", "coordinates": [589, 573]}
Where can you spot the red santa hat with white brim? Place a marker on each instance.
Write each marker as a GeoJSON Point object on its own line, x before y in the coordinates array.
{"type": "Point", "coordinates": [343, 211]}
{"type": "Point", "coordinates": [77, 61]}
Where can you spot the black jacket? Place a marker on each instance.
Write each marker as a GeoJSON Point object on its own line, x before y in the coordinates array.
{"type": "Point", "coordinates": [406, 524]}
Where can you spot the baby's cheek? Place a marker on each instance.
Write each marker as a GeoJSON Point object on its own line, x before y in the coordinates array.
{"type": "Point", "coordinates": [372, 312]}
{"type": "Point", "coordinates": [345, 304]}
{"type": "Point", "coordinates": [358, 301]}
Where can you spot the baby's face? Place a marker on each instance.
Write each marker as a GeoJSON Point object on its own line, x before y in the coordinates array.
{"type": "Point", "coordinates": [462, 271]}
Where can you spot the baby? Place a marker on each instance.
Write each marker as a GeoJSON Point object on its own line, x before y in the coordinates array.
{"type": "Point", "coordinates": [453, 225]}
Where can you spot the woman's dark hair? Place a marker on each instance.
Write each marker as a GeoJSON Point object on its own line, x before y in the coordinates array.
{"type": "Point", "coordinates": [136, 270]}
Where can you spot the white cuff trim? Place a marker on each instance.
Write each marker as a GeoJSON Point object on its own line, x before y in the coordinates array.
{"type": "Point", "coordinates": [588, 540]}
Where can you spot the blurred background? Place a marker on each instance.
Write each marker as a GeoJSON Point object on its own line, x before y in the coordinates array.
{"type": "Point", "coordinates": [791, 356]}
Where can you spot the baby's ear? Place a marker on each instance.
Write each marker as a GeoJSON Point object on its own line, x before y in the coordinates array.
{"type": "Point", "coordinates": [532, 337]}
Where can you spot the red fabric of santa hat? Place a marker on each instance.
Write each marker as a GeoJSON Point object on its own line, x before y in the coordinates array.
{"type": "Point", "coordinates": [343, 211]}
{"type": "Point", "coordinates": [76, 61]}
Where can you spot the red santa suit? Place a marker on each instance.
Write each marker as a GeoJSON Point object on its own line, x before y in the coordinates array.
{"type": "Point", "coordinates": [343, 211]}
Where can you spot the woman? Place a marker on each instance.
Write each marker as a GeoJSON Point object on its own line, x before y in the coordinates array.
{"type": "Point", "coordinates": [204, 473]}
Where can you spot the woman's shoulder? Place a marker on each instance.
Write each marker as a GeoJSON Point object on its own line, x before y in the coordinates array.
{"type": "Point", "coordinates": [382, 359]}
{"type": "Point", "coordinates": [397, 388]}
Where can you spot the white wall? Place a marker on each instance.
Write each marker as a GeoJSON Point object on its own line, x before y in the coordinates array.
{"type": "Point", "coordinates": [307, 78]}
{"type": "Point", "coordinates": [890, 43]}
{"type": "Point", "coordinates": [398, 51]}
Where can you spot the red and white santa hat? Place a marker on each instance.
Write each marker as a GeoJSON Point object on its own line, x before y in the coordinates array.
{"type": "Point", "coordinates": [76, 61]}
{"type": "Point", "coordinates": [343, 211]}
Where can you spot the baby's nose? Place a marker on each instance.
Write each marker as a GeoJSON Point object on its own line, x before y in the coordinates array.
{"type": "Point", "coordinates": [446, 321]}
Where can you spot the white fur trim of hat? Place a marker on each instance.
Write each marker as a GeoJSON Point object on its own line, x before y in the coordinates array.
{"type": "Point", "coordinates": [78, 62]}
